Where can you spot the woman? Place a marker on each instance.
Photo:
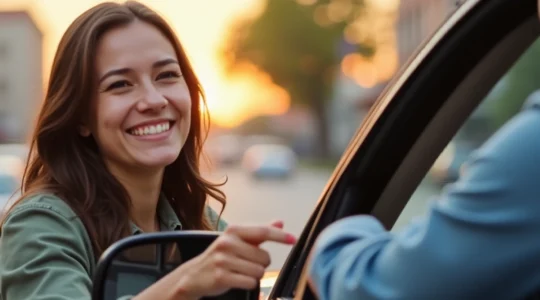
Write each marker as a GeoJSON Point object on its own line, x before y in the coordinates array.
{"type": "Point", "coordinates": [115, 153]}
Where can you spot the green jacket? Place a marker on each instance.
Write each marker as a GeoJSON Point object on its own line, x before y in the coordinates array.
{"type": "Point", "coordinates": [46, 253]}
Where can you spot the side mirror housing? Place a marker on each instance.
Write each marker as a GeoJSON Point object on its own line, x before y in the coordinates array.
{"type": "Point", "coordinates": [131, 265]}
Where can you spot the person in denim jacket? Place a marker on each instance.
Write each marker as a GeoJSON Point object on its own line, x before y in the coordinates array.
{"type": "Point", "coordinates": [480, 240]}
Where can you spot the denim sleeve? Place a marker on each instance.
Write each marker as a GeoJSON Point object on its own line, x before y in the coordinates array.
{"type": "Point", "coordinates": [479, 240]}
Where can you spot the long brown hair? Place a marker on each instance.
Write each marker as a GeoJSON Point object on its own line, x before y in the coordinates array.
{"type": "Point", "coordinates": [63, 162]}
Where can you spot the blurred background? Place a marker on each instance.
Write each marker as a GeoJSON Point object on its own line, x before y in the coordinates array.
{"type": "Point", "coordinates": [287, 82]}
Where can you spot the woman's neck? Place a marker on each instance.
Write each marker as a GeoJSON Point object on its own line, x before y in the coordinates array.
{"type": "Point", "coordinates": [144, 188]}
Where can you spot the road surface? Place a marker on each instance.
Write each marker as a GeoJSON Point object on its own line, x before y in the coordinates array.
{"type": "Point", "coordinates": [250, 201]}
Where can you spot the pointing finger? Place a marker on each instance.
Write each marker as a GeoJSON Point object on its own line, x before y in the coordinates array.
{"type": "Point", "coordinates": [260, 234]}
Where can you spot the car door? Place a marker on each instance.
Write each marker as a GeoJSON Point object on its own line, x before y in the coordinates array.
{"type": "Point", "coordinates": [414, 119]}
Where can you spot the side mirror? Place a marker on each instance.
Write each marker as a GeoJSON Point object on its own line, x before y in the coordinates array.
{"type": "Point", "coordinates": [133, 264]}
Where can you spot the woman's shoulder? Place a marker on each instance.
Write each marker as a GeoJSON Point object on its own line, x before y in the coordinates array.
{"type": "Point", "coordinates": [40, 236]}
{"type": "Point", "coordinates": [43, 201]}
{"type": "Point", "coordinates": [45, 219]}
{"type": "Point", "coordinates": [41, 213]}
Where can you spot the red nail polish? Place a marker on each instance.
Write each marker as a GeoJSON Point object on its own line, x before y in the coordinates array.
{"type": "Point", "coordinates": [290, 239]}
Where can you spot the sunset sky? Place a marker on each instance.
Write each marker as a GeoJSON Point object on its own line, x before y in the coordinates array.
{"type": "Point", "coordinates": [201, 26]}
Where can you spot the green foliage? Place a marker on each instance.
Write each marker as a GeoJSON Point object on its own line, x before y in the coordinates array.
{"type": "Point", "coordinates": [520, 82]}
{"type": "Point", "coordinates": [298, 53]}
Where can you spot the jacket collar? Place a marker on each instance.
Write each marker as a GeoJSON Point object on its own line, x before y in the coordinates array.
{"type": "Point", "coordinates": [168, 221]}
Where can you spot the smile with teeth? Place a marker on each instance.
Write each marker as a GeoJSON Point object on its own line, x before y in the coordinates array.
{"type": "Point", "coordinates": [150, 129]}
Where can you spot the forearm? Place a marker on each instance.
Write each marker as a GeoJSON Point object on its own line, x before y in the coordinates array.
{"type": "Point", "coordinates": [340, 254]}
{"type": "Point", "coordinates": [428, 260]}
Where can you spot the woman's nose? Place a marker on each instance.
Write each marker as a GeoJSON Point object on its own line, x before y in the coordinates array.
{"type": "Point", "coordinates": [152, 99]}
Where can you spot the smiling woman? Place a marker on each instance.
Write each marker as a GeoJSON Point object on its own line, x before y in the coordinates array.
{"type": "Point", "coordinates": [142, 91]}
{"type": "Point", "coordinates": [115, 153]}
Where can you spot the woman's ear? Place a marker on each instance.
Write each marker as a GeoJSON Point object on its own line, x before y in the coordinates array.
{"type": "Point", "coordinates": [84, 131]}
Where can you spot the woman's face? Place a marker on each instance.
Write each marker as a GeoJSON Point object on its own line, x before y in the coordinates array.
{"type": "Point", "coordinates": [141, 111]}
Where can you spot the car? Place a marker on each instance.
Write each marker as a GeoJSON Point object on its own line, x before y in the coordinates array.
{"type": "Point", "coordinates": [269, 161]}
{"type": "Point", "coordinates": [18, 150]}
{"type": "Point", "coordinates": [225, 150]}
{"type": "Point", "coordinates": [12, 164]}
{"type": "Point", "coordinates": [9, 185]}
{"type": "Point", "coordinates": [413, 121]}
{"type": "Point", "coordinates": [11, 171]}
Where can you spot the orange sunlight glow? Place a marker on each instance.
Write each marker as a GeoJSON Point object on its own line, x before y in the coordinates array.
{"type": "Point", "coordinates": [369, 72]}
{"type": "Point", "coordinates": [375, 26]}
{"type": "Point", "coordinates": [250, 92]}
{"type": "Point", "coordinates": [200, 26]}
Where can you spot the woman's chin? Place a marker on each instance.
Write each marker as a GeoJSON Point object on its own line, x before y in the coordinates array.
{"type": "Point", "coordinates": [157, 160]}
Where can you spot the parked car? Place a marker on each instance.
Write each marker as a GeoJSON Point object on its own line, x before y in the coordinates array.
{"type": "Point", "coordinates": [11, 171]}
{"type": "Point", "coordinates": [18, 150]}
{"type": "Point", "coordinates": [269, 161]}
{"type": "Point", "coordinates": [13, 164]}
{"type": "Point", "coordinates": [413, 120]}
{"type": "Point", "coordinates": [226, 149]}
{"type": "Point", "coordinates": [9, 185]}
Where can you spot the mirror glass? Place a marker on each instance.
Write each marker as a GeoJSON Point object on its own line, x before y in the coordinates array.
{"type": "Point", "coordinates": [135, 263]}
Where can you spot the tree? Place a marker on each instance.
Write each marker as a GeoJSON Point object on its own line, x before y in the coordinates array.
{"type": "Point", "coordinates": [516, 86]}
{"type": "Point", "coordinates": [298, 47]}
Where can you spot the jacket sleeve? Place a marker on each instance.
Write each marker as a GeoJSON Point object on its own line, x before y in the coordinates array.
{"type": "Point", "coordinates": [478, 241]}
{"type": "Point", "coordinates": [44, 255]}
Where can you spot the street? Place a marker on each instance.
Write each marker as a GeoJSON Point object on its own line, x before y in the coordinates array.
{"type": "Point", "coordinates": [250, 201]}
{"type": "Point", "coordinates": [260, 202]}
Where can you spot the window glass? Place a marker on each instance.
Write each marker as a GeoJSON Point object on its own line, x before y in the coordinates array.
{"type": "Point", "coordinates": [502, 103]}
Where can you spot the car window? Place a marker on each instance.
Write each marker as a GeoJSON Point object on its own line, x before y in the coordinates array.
{"type": "Point", "coordinates": [504, 100]}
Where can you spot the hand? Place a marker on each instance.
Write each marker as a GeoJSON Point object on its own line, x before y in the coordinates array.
{"type": "Point", "coordinates": [234, 260]}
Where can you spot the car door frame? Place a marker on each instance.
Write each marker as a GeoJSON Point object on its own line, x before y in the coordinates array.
{"type": "Point", "coordinates": [414, 119]}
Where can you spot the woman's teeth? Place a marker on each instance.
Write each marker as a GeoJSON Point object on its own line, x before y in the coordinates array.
{"type": "Point", "coordinates": [150, 129]}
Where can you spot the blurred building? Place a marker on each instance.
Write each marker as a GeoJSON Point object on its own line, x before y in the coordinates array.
{"type": "Point", "coordinates": [417, 20]}
{"type": "Point", "coordinates": [21, 82]}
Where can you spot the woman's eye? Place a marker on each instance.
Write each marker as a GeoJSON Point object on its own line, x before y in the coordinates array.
{"type": "Point", "coordinates": [118, 84]}
{"type": "Point", "coordinates": [166, 75]}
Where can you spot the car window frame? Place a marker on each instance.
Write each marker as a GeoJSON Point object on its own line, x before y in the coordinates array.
{"type": "Point", "coordinates": [373, 156]}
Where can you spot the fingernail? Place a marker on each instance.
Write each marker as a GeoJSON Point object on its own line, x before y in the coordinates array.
{"type": "Point", "coordinates": [290, 239]}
